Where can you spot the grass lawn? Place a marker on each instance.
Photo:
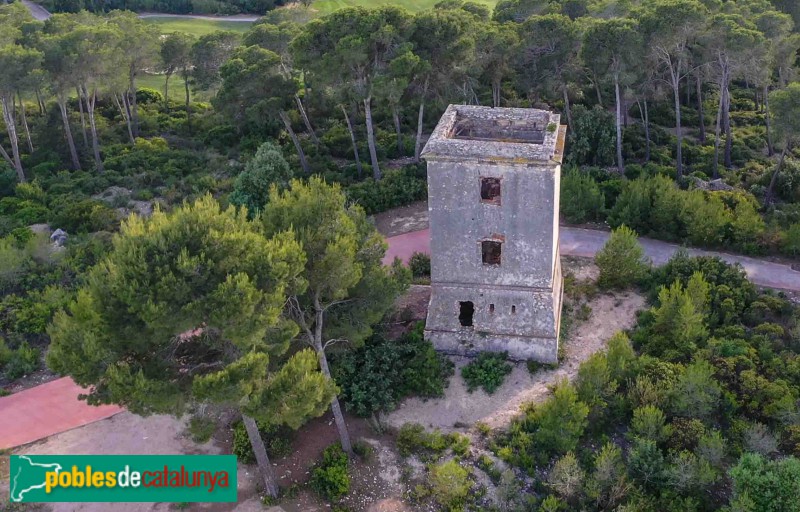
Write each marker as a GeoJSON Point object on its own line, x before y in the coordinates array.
{"type": "Point", "coordinates": [328, 6]}
{"type": "Point", "coordinates": [198, 27]}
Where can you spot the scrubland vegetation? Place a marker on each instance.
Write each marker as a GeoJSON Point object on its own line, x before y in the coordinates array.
{"type": "Point", "coordinates": [250, 261]}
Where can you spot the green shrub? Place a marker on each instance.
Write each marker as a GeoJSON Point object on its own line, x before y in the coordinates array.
{"type": "Point", "coordinates": [487, 371]}
{"type": "Point", "coordinates": [621, 260]}
{"type": "Point", "coordinates": [459, 443]}
{"type": "Point", "coordinates": [24, 360]}
{"type": "Point", "coordinates": [490, 468]}
{"type": "Point", "coordinates": [646, 464]}
{"type": "Point", "coordinates": [396, 188]}
{"type": "Point", "coordinates": [649, 422]}
{"type": "Point", "coordinates": [330, 478]}
{"type": "Point", "coordinates": [277, 441]}
{"type": "Point", "coordinates": [771, 486]}
{"type": "Point", "coordinates": [241, 444]}
{"type": "Point", "coordinates": [202, 428]}
{"type": "Point", "coordinates": [84, 216]}
{"type": "Point", "coordinates": [252, 186]}
{"type": "Point", "coordinates": [791, 240]}
{"type": "Point", "coordinates": [450, 485]}
{"type": "Point", "coordinates": [592, 137]}
{"type": "Point", "coordinates": [420, 264]}
{"type": "Point", "coordinates": [376, 376]}
{"type": "Point", "coordinates": [581, 199]}
{"type": "Point", "coordinates": [364, 450]}
{"type": "Point", "coordinates": [566, 477]}
{"type": "Point", "coordinates": [145, 95]}
{"type": "Point", "coordinates": [696, 393]}
{"type": "Point", "coordinates": [413, 439]}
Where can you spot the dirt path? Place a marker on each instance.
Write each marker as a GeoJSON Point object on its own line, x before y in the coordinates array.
{"type": "Point", "coordinates": [458, 407]}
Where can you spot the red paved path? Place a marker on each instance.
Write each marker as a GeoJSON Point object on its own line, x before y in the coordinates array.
{"type": "Point", "coordinates": [45, 410]}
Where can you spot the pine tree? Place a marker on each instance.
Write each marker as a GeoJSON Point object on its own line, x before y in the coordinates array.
{"type": "Point", "coordinates": [186, 307]}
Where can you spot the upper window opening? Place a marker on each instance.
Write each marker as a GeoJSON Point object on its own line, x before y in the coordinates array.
{"type": "Point", "coordinates": [490, 190]}
{"type": "Point", "coordinates": [491, 251]}
{"type": "Point", "coordinates": [466, 312]}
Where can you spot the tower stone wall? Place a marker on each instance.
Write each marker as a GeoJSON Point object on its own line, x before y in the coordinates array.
{"type": "Point", "coordinates": [493, 189]}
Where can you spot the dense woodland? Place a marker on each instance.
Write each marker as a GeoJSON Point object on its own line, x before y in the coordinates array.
{"type": "Point", "coordinates": [683, 120]}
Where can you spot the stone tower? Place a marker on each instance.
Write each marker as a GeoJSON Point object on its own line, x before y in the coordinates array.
{"type": "Point", "coordinates": [493, 200]}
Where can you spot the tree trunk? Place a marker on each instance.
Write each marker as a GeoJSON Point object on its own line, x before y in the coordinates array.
{"type": "Point", "coordinates": [597, 90]}
{"type": "Point", "coordinates": [643, 115]}
{"type": "Point", "coordinates": [373, 152]}
{"type": "Point", "coordinates": [90, 104]}
{"type": "Point", "coordinates": [133, 108]}
{"type": "Point", "coordinates": [353, 140]}
{"type": "Point", "coordinates": [496, 85]}
{"type": "Point", "coordinates": [774, 180]}
{"type": "Point", "coordinates": [688, 90]}
{"type": "Point", "coordinates": [11, 128]}
{"type": "Point", "coordinates": [624, 111]}
{"type": "Point", "coordinates": [5, 156]}
{"type": "Point", "coordinates": [260, 451]}
{"type": "Point", "coordinates": [188, 105]}
{"type": "Point", "coordinates": [40, 102]}
{"type": "Point", "coordinates": [306, 121]}
{"type": "Point", "coordinates": [81, 101]}
{"type": "Point", "coordinates": [717, 128]}
{"type": "Point", "coordinates": [288, 124]}
{"type": "Point", "coordinates": [341, 426]}
{"type": "Point", "coordinates": [700, 110]}
{"type": "Point", "coordinates": [727, 127]}
{"type": "Point", "coordinates": [124, 113]}
{"type": "Point", "coordinates": [62, 107]}
{"type": "Point", "coordinates": [418, 142]}
{"type": "Point", "coordinates": [770, 147]}
{"type": "Point", "coordinates": [25, 124]}
{"type": "Point", "coordinates": [620, 163]}
{"type": "Point", "coordinates": [396, 117]}
{"type": "Point", "coordinates": [567, 110]}
{"type": "Point", "coordinates": [678, 133]}
{"type": "Point", "coordinates": [166, 91]}
{"type": "Point", "coordinates": [420, 117]}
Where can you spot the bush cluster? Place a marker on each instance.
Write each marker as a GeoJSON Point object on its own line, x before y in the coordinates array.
{"type": "Point", "coordinates": [277, 440]}
{"type": "Point", "coordinates": [704, 389]}
{"type": "Point", "coordinates": [413, 439]}
{"type": "Point", "coordinates": [396, 188]}
{"type": "Point", "coordinates": [375, 377]}
{"type": "Point", "coordinates": [487, 371]}
{"type": "Point", "coordinates": [330, 479]}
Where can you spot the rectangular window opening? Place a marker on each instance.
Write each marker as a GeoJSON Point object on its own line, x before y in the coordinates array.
{"type": "Point", "coordinates": [513, 310]}
{"type": "Point", "coordinates": [491, 252]}
{"type": "Point", "coordinates": [466, 312]}
{"type": "Point", "coordinates": [491, 308]}
{"type": "Point", "coordinates": [490, 190]}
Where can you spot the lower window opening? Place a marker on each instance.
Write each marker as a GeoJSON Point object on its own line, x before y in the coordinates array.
{"type": "Point", "coordinates": [466, 312]}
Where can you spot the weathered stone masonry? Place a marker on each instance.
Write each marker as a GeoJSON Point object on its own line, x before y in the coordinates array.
{"type": "Point", "coordinates": [493, 191]}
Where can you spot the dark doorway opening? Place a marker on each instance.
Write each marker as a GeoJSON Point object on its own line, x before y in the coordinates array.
{"type": "Point", "coordinates": [491, 252]}
{"type": "Point", "coordinates": [466, 312]}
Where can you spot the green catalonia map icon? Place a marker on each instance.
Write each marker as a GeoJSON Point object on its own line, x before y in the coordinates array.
{"type": "Point", "coordinates": [28, 477]}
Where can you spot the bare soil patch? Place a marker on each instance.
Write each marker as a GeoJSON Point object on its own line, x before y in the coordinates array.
{"type": "Point", "coordinates": [610, 313]}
